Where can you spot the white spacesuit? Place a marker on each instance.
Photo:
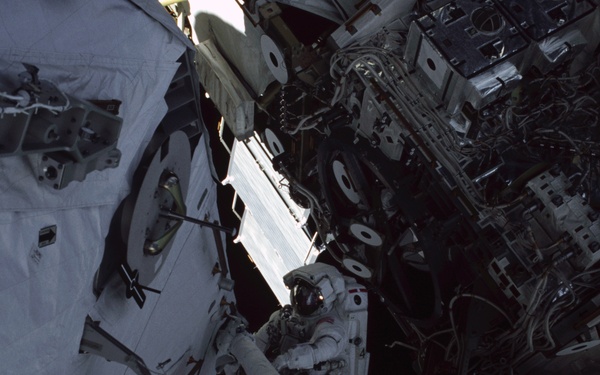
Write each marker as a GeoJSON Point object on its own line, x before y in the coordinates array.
{"type": "Point", "coordinates": [324, 329]}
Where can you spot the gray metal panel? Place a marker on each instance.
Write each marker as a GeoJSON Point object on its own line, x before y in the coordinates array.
{"type": "Point", "coordinates": [181, 319]}
{"type": "Point", "coordinates": [272, 223]}
{"type": "Point", "coordinates": [111, 60]}
{"type": "Point", "coordinates": [270, 262]}
{"type": "Point", "coordinates": [123, 54]}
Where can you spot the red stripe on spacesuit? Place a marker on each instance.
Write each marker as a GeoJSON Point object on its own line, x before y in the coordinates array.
{"type": "Point", "coordinates": [327, 319]}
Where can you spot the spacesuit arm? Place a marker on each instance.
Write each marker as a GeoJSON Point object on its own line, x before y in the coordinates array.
{"type": "Point", "coordinates": [327, 342]}
{"type": "Point", "coordinates": [262, 336]}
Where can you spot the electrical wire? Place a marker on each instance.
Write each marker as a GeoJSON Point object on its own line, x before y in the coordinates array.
{"type": "Point", "coordinates": [554, 115]}
{"type": "Point", "coordinates": [559, 101]}
{"type": "Point", "coordinates": [400, 343]}
{"type": "Point", "coordinates": [314, 117]}
{"type": "Point", "coordinates": [16, 98]}
{"type": "Point", "coordinates": [15, 110]}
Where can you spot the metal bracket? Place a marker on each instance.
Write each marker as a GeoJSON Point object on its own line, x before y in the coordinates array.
{"type": "Point", "coordinates": [169, 191]}
{"type": "Point", "coordinates": [75, 136]}
{"type": "Point", "coordinates": [132, 286]}
{"type": "Point", "coordinates": [97, 341]}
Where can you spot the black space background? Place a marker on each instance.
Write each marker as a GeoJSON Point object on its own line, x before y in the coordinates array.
{"type": "Point", "coordinates": [255, 300]}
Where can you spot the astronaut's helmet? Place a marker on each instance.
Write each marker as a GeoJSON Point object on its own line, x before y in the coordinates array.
{"type": "Point", "coordinates": [306, 298]}
{"type": "Point", "coordinates": [314, 288]}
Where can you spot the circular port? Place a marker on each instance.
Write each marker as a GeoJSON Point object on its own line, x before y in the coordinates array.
{"type": "Point", "coordinates": [51, 173]}
{"type": "Point", "coordinates": [487, 20]}
{"type": "Point", "coordinates": [431, 64]}
{"type": "Point", "coordinates": [274, 59]}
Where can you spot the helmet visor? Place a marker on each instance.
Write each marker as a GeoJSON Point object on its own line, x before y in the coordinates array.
{"type": "Point", "coordinates": [306, 298]}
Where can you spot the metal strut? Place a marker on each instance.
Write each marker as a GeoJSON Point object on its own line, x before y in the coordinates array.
{"type": "Point", "coordinates": [176, 216]}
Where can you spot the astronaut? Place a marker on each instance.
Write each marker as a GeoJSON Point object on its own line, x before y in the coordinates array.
{"type": "Point", "coordinates": [317, 333]}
